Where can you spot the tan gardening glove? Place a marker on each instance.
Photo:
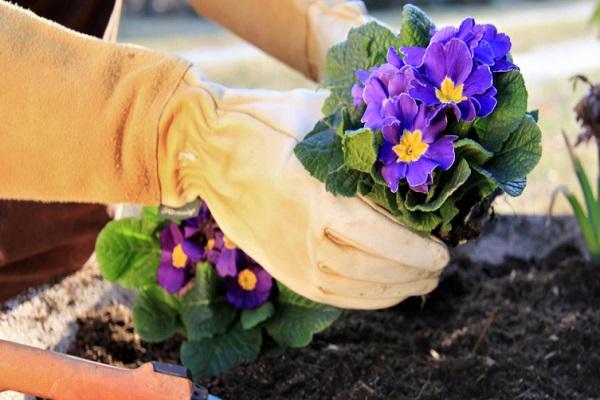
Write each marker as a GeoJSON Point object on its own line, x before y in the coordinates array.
{"type": "Point", "coordinates": [234, 149]}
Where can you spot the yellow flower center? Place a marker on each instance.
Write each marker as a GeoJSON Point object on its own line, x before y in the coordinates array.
{"type": "Point", "coordinates": [179, 257]}
{"type": "Point", "coordinates": [411, 146]}
{"type": "Point", "coordinates": [449, 93]}
{"type": "Point", "coordinates": [210, 244]}
{"type": "Point", "coordinates": [247, 279]}
{"type": "Point", "coordinates": [228, 243]}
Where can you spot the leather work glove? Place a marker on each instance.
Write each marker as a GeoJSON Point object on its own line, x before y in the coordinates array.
{"type": "Point", "coordinates": [235, 150]}
{"type": "Point", "coordinates": [88, 121]}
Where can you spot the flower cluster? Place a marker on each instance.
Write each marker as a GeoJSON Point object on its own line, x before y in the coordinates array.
{"type": "Point", "coordinates": [199, 239]}
{"type": "Point", "coordinates": [412, 98]}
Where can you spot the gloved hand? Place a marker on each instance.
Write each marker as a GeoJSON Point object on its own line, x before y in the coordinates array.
{"type": "Point", "coordinates": [234, 149]}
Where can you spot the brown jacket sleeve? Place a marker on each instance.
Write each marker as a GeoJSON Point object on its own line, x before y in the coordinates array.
{"type": "Point", "coordinates": [78, 116]}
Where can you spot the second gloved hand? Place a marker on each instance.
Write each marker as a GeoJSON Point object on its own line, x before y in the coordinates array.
{"type": "Point", "coordinates": [235, 150]}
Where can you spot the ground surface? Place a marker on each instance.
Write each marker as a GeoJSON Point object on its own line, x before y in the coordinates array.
{"type": "Point", "coordinates": [524, 329]}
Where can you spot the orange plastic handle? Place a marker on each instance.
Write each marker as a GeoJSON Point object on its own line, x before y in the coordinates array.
{"type": "Point", "coordinates": [58, 376]}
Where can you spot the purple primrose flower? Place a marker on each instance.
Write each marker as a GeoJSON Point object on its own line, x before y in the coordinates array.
{"type": "Point", "coordinates": [413, 146]}
{"type": "Point", "coordinates": [250, 287]}
{"type": "Point", "coordinates": [177, 257]}
{"type": "Point", "coordinates": [450, 79]}
{"type": "Point", "coordinates": [487, 46]}
{"type": "Point", "coordinates": [223, 254]}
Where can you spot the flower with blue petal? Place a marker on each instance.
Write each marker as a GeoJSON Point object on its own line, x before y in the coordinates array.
{"type": "Point", "coordinates": [250, 287]}
{"type": "Point", "coordinates": [413, 146]}
{"type": "Point", "coordinates": [178, 256]}
{"type": "Point", "coordinates": [449, 79]}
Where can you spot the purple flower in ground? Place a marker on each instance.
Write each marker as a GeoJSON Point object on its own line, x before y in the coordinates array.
{"type": "Point", "coordinates": [224, 254]}
{"type": "Point", "coordinates": [379, 85]}
{"type": "Point", "coordinates": [250, 287]}
{"type": "Point", "coordinates": [412, 146]}
{"type": "Point", "coordinates": [177, 257]}
{"type": "Point", "coordinates": [487, 46]}
{"type": "Point", "coordinates": [450, 79]}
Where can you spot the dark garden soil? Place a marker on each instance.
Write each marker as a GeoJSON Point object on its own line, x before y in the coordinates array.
{"type": "Point", "coordinates": [522, 330]}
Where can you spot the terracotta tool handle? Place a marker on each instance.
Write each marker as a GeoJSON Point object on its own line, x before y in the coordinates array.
{"type": "Point", "coordinates": [61, 377]}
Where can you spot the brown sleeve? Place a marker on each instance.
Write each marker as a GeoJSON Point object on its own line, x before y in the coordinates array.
{"type": "Point", "coordinates": [78, 116]}
{"type": "Point", "coordinates": [279, 27]}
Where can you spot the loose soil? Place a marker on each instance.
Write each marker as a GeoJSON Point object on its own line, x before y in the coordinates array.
{"type": "Point", "coordinates": [522, 330]}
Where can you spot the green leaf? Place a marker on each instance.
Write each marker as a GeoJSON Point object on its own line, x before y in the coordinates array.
{"type": "Point", "coordinates": [472, 151]}
{"type": "Point", "coordinates": [211, 356]}
{"type": "Point", "coordinates": [365, 47]}
{"type": "Point", "coordinates": [360, 149]}
{"type": "Point", "coordinates": [321, 150]}
{"type": "Point", "coordinates": [128, 253]}
{"type": "Point", "coordinates": [535, 114]}
{"type": "Point", "coordinates": [460, 174]}
{"type": "Point", "coordinates": [519, 154]}
{"type": "Point", "coordinates": [419, 221]}
{"type": "Point", "coordinates": [205, 310]}
{"type": "Point", "coordinates": [514, 188]}
{"type": "Point", "coordinates": [343, 182]}
{"type": "Point", "coordinates": [152, 218]}
{"type": "Point", "coordinates": [448, 211]}
{"type": "Point", "coordinates": [155, 314]}
{"type": "Point", "coordinates": [460, 128]}
{"type": "Point", "coordinates": [416, 27]}
{"type": "Point", "coordinates": [495, 129]}
{"type": "Point", "coordinates": [297, 319]}
{"type": "Point", "coordinates": [251, 318]}
{"type": "Point", "coordinates": [383, 197]}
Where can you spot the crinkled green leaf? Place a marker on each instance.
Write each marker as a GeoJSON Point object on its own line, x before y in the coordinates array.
{"type": "Point", "coordinates": [417, 220]}
{"type": "Point", "coordinates": [128, 252]}
{"type": "Point", "coordinates": [360, 149]}
{"type": "Point", "coordinates": [519, 154]}
{"type": "Point", "coordinates": [321, 150]}
{"type": "Point", "coordinates": [251, 318]}
{"type": "Point", "coordinates": [205, 310]}
{"type": "Point", "coordinates": [416, 27]}
{"type": "Point", "coordinates": [208, 357]}
{"type": "Point", "coordinates": [365, 47]}
{"type": "Point", "coordinates": [297, 319]}
{"type": "Point", "coordinates": [460, 128]}
{"type": "Point", "coordinates": [495, 129]}
{"type": "Point", "coordinates": [472, 151]}
{"type": "Point", "coordinates": [343, 182]}
{"type": "Point", "coordinates": [451, 182]}
{"type": "Point", "coordinates": [382, 196]}
{"type": "Point", "coordinates": [155, 314]}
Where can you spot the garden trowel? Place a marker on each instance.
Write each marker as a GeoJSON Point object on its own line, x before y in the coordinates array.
{"type": "Point", "coordinates": [58, 376]}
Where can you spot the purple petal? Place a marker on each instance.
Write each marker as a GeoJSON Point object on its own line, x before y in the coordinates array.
{"type": "Point", "coordinates": [413, 55]}
{"type": "Point", "coordinates": [357, 95]}
{"type": "Point", "coordinates": [442, 151]}
{"type": "Point", "coordinates": [400, 82]}
{"type": "Point", "coordinates": [387, 154]}
{"type": "Point", "coordinates": [424, 188]}
{"type": "Point", "coordinates": [170, 278]}
{"type": "Point", "coordinates": [501, 45]}
{"type": "Point", "coordinates": [503, 66]}
{"type": "Point", "coordinates": [362, 75]}
{"type": "Point", "coordinates": [435, 125]}
{"type": "Point", "coordinates": [372, 117]}
{"type": "Point", "coordinates": [467, 110]}
{"type": "Point", "coordinates": [374, 91]}
{"type": "Point", "coordinates": [226, 264]}
{"type": "Point", "coordinates": [487, 102]}
{"type": "Point", "coordinates": [393, 173]}
{"type": "Point", "coordinates": [479, 81]}
{"type": "Point", "coordinates": [393, 58]}
{"type": "Point", "coordinates": [484, 53]}
{"type": "Point", "coordinates": [391, 130]}
{"type": "Point", "coordinates": [418, 172]}
{"type": "Point", "coordinates": [425, 93]}
{"type": "Point", "coordinates": [458, 61]}
{"type": "Point", "coordinates": [407, 110]}
{"type": "Point", "coordinates": [194, 251]}
{"type": "Point", "coordinates": [444, 35]}
{"type": "Point", "coordinates": [435, 62]}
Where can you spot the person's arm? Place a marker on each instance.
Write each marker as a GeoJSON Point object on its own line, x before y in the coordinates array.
{"type": "Point", "coordinates": [82, 120]}
{"type": "Point", "coordinates": [297, 32]}
{"type": "Point", "coordinates": [78, 116]}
